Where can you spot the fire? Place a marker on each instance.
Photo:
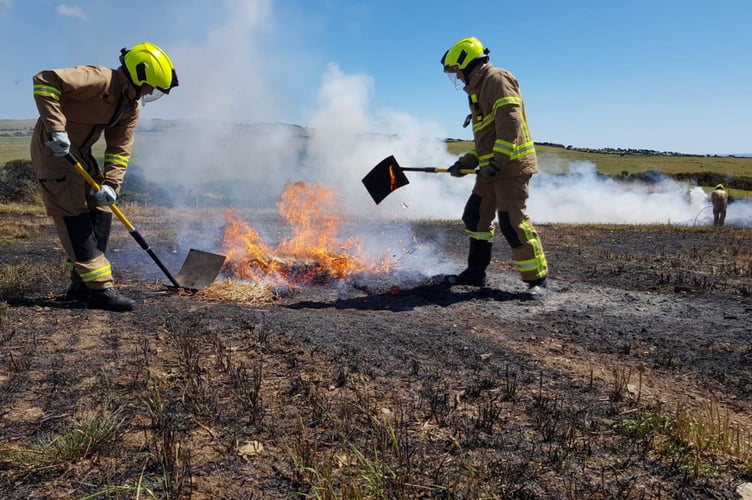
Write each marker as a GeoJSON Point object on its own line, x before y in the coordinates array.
{"type": "Point", "coordinates": [311, 254]}
{"type": "Point", "coordinates": [392, 178]}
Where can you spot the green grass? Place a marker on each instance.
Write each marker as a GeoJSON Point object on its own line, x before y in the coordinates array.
{"type": "Point", "coordinates": [14, 147]}
{"type": "Point", "coordinates": [632, 164]}
{"type": "Point", "coordinates": [615, 164]}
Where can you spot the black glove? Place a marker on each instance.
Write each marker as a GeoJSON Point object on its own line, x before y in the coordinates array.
{"type": "Point", "coordinates": [454, 170]}
{"type": "Point", "coordinates": [488, 171]}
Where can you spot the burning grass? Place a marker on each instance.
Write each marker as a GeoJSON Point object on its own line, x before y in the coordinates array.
{"type": "Point", "coordinates": [313, 253]}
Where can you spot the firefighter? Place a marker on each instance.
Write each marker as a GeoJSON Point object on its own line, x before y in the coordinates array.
{"type": "Point", "coordinates": [719, 198]}
{"type": "Point", "coordinates": [76, 106]}
{"type": "Point", "coordinates": [504, 155]}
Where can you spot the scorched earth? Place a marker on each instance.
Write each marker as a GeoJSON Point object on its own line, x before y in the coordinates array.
{"type": "Point", "coordinates": [631, 379]}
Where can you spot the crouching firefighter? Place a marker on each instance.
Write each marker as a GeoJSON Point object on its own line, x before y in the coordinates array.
{"type": "Point", "coordinates": [76, 106]}
{"type": "Point", "coordinates": [504, 155]}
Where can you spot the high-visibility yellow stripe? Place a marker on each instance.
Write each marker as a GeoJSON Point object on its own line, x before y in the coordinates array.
{"type": "Point", "coordinates": [485, 159]}
{"type": "Point", "coordinates": [101, 272]}
{"type": "Point", "coordinates": [507, 101]}
{"type": "Point", "coordinates": [538, 262]}
{"type": "Point", "coordinates": [526, 132]}
{"type": "Point", "coordinates": [524, 266]}
{"type": "Point", "coordinates": [116, 159]}
{"type": "Point", "coordinates": [506, 148]}
{"type": "Point", "coordinates": [514, 151]}
{"type": "Point", "coordinates": [483, 122]}
{"type": "Point", "coordinates": [47, 91]}
{"type": "Point", "coordinates": [480, 235]}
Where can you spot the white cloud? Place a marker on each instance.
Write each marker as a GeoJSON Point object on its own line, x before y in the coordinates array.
{"type": "Point", "coordinates": [66, 10]}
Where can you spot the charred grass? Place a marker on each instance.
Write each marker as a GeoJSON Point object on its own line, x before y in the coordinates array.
{"type": "Point", "coordinates": [211, 398]}
{"type": "Point", "coordinates": [281, 422]}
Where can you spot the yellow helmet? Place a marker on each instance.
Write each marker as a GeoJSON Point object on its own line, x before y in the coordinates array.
{"type": "Point", "coordinates": [462, 54]}
{"type": "Point", "coordinates": [145, 63]}
{"type": "Point", "coordinates": [719, 186]}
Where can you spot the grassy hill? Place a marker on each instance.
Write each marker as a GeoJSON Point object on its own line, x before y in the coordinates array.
{"type": "Point", "coordinates": [734, 172]}
{"type": "Point", "coordinates": [635, 161]}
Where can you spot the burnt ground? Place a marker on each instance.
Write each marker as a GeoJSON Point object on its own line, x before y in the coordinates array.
{"type": "Point", "coordinates": [631, 379]}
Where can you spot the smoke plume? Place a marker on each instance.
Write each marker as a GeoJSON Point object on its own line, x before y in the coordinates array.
{"type": "Point", "coordinates": [231, 135]}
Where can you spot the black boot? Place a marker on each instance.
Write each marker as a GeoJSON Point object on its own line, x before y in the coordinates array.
{"type": "Point", "coordinates": [109, 300]}
{"type": "Point", "coordinates": [478, 259]}
{"type": "Point", "coordinates": [77, 290]}
{"type": "Point", "coordinates": [538, 289]}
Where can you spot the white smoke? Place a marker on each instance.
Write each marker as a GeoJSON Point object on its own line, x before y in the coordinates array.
{"type": "Point", "coordinates": [231, 108]}
{"type": "Point", "coordinates": [579, 195]}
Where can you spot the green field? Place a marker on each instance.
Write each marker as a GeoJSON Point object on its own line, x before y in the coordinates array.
{"type": "Point", "coordinates": [614, 164]}
{"type": "Point", "coordinates": [13, 148]}
{"type": "Point", "coordinates": [15, 136]}
{"type": "Point", "coordinates": [719, 168]}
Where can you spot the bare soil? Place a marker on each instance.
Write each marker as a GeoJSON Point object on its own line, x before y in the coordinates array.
{"type": "Point", "coordinates": [358, 389]}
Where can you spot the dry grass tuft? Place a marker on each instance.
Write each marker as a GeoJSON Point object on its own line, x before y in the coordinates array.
{"type": "Point", "coordinates": [241, 292]}
{"type": "Point", "coordinates": [22, 279]}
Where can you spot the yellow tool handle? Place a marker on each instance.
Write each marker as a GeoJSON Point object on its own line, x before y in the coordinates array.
{"type": "Point", "coordinates": [120, 215]}
{"type": "Point", "coordinates": [462, 170]}
{"type": "Point", "coordinates": [435, 170]}
{"type": "Point", "coordinates": [90, 180]}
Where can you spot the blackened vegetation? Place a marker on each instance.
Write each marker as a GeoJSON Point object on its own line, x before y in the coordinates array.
{"type": "Point", "coordinates": [17, 182]}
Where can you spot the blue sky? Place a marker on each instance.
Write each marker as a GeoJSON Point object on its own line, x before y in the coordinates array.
{"type": "Point", "coordinates": [670, 75]}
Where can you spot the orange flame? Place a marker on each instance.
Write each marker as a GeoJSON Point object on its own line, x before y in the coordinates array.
{"type": "Point", "coordinates": [392, 179]}
{"type": "Point", "coordinates": [311, 254]}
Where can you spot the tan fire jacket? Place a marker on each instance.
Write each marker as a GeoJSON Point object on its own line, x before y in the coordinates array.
{"type": "Point", "coordinates": [719, 198]}
{"type": "Point", "coordinates": [86, 101]}
{"type": "Point", "coordinates": [500, 129]}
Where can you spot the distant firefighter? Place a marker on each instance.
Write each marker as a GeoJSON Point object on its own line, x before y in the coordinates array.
{"type": "Point", "coordinates": [719, 197]}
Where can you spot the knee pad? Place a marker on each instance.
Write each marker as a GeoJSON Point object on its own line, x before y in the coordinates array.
{"type": "Point", "coordinates": [471, 214]}
{"type": "Point", "coordinates": [509, 232]}
{"type": "Point", "coordinates": [102, 223]}
{"type": "Point", "coordinates": [81, 234]}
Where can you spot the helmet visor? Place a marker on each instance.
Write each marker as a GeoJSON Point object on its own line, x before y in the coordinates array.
{"type": "Point", "coordinates": [454, 77]}
{"type": "Point", "coordinates": [155, 94]}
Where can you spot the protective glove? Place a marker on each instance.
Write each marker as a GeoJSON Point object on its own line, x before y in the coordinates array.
{"type": "Point", "coordinates": [105, 196]}
{"type": "Point", "coordinates": [454, 170]}
{"type": "Point", "coordinates": [59, 143]}
{"type": "Point", "coordinates": [488, 171]}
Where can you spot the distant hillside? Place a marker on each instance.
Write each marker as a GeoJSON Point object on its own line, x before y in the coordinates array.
{"type": "Point", "coordinates": [22, 128]}
{"type": "Point", "coordinates": [706, 170]}
{"type": "Point", "coordinates": [16, 128]}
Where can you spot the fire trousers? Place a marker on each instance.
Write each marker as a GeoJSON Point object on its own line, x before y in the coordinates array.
{"type": "Point", "coordinates": [507, 197]}
{"type": "Point", "coordinates": [82, 226]}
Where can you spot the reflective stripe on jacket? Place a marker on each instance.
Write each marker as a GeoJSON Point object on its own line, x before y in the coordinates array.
{"type": "Point", "coordinates": [500, 129]}
{"type": "Point", "coordinates": [86, 101]}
